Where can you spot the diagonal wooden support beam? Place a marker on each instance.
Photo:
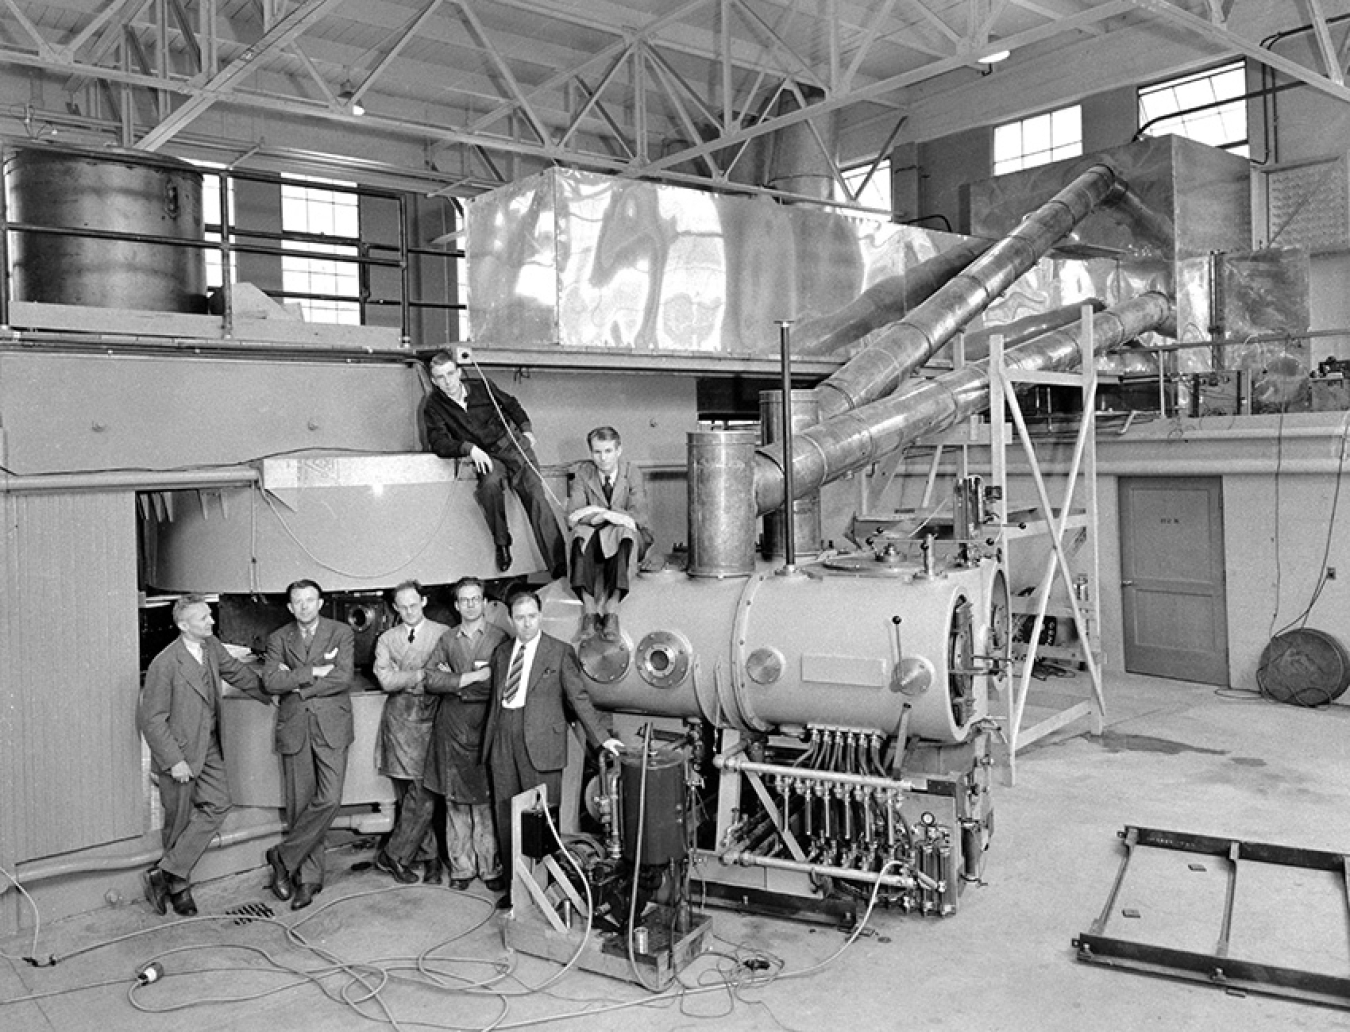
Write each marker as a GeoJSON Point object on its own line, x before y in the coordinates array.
{"type": "Point", "coordinates": [521, 101]}
{"type": "Point", "coordinates": [1330, 59]}
{"type": "Point", "coordinates": [412, 30]}
{"type": "Point", "coordinates": [274, 39]}
{"type": "Point", "coordinates": [1229, 40]}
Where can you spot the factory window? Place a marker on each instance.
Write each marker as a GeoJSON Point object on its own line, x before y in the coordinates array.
{"type": "Point", "coordinates": [326, 288]}
{"type": "Point", "coordinates": [1038, 140]}
{"type": "Point", "coordinates": [211, 218]}
{"type": "Point", "coordinates": [1208, 107]}
{"type": "Point", "coordinates": [877, 192]}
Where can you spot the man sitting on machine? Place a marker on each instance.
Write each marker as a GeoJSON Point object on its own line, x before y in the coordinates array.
{"type": "Point", "coordinates": [607, 511]}
{"type": "Point", "coordinates": [478, 421]}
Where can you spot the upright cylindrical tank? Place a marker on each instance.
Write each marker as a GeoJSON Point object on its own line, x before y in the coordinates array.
{"type": "Point", "coordinates": [660, 812]}
{"type": "Point", "coordinates": [722, 503]}
{"type": "Point", "coordinates": [806, 509]}
{"type": "Point", "coordinates": [135, 196]}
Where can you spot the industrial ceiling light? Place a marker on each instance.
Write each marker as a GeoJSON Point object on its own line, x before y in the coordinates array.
{"type": "Point", "coordinates": [995, 56]}
{"type": "Point", "coordinates": [347, 98]}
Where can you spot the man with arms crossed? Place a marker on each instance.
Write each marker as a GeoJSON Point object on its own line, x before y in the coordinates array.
{"type": "Point", "coordinates": [459, 673]}
{"type": "Point", "coordinates": [309, 666]}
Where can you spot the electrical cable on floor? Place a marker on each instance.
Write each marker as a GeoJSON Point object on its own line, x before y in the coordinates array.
{"type": "Point", "coordinates": [366, 983]}
{"type": "Point", "coordinates": [31, 958]}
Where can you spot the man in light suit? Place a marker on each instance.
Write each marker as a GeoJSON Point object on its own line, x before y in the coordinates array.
{"type": "Point", "coordinates": [309, 666]}
{"type": "Point", "coordinates": [179, 717]}
{"type": "Point", "coordinates": [607, 512]}
{"type": "Point", "coordinates": [536, 679]}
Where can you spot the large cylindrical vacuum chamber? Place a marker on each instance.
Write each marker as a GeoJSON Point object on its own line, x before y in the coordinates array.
{"type": "Point", "coordinates": [132, 196]}
{"type": "Point", "coordinates": [847, 646]}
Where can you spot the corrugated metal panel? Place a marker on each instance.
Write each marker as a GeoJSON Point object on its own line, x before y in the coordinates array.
{"type": "Point", "coordinates": [70, 758]}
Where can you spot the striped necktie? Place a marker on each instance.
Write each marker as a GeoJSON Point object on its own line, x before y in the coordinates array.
{"type": "Point", "coordinates": [513, 676]}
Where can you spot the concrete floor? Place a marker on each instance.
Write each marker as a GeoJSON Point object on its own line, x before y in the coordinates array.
{"type": "Point", "coordinates": [1175, 756]}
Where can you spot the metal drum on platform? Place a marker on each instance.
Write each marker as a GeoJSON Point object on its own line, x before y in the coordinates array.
{"type": "Point", "coordinates": [722, 503]}
{"type": "Point", "coordinates": [136, 197]}
{"type": "Point", "coordinates": [659, 812]}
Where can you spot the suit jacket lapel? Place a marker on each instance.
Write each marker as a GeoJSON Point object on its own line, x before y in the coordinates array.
{"type": "Point", "coordinates": [541, 658]}
{"type": "Point", "coordinates": [194, 673]}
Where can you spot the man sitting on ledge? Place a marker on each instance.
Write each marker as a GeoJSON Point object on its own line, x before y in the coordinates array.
{"type": "Point", "coordinates": [475, 420]}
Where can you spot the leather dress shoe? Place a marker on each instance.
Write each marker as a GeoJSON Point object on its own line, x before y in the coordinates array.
{"type": "Point", "coordinates": [433, 873]}
{"type": "Point", "coordinates": [304, 895]}
{"type": "Point", "coordinates": [503, 558]}
{"type": "Point", "coordinates": [460, 884]}
{"type": "Point", "coordinates": [183, 903]}
{"type": "Point", "coordinates": [387, 864]}
{"type": "Point", "coordinates": [609, 627]}
{"type": "Point", "coordinates": [496, 884]}
{"type": "Point", "coordinates": [280, 883]}
{"type": "Point", "coordinates": [590, 625]}
{"type": "Point", "coordinates": [157, 889]}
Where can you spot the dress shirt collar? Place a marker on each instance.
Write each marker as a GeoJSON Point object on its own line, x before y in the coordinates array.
{"type": "Point", "coordinates": [194, 650]}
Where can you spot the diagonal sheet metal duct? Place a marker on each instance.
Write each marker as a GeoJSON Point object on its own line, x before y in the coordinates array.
{"type": "Point", "coordinates": [884, 301]}
{"type": "Point", "coordinates": [1019, 331]}
{"type": "Point", "coordinates": [851, 440]}
{"type": "Point", "coordinates": [907, 344]}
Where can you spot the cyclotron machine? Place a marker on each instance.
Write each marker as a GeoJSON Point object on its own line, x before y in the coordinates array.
{"type": "Point", "coordinates": [833, 714]}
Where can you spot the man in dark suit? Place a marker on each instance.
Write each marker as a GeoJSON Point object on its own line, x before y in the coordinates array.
{"type": "Point", "coordinates": [309, 666]}
{"type": "Point", "coordinates": [179, 717]}
{"type": "Point", "coordinates": [536, 679]}
{"type": "Point", "coordinates": [607, 511]}
{"type": "Point", "coordinates": [478, 421]}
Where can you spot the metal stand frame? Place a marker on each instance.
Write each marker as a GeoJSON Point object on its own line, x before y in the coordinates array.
{"type": "Point", "coordinates": [1217, 968]}
{"type": "Point", "coordinates": [1054, 523]}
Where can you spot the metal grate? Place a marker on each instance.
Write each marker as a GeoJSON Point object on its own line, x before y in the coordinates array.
{"type": "Point", "coordinates": [247, 912]}
{"type": "Point", "coordinates": [1308, 205]}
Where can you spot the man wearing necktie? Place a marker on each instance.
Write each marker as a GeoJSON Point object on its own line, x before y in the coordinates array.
{"type": "Point", "coordinates": [609, 520]}
{"type": "Point", "coordinates": [309, 666]}
{"type": "Point", "coordinates": [405, 734]}
{"type": "Point", "coordinates": [536, 681]}
{"type": "Point", "coordinates": [179, 717]}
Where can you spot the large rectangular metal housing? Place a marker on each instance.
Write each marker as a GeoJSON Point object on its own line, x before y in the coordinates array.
{"type": "Point", "coordinates": [589, 261]}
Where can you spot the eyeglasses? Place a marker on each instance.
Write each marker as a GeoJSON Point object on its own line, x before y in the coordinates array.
{"type": "Point", "coordinates": [472, 600]}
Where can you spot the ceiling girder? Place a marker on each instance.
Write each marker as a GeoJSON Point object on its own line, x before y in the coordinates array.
{"type": "Point", "coordinates": [645, 66]}
{"type": "Point", "coordinates": [404, 38]}
{"type": "Point", "coordinates": [277, 37]}
{"type": "Point", "coordinates": [1230, 40]}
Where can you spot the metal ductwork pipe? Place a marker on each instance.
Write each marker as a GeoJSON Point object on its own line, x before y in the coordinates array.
{"type": "Point", "coordinates": [907, 344]}
{"type": "Point", "coordinates": [1019, 331]}
{"type": "Point", "coordinates": [1145, 223]}
{"type": "Point", "coordinates": [850, 441]}
{"type": "Point", "coordinates": [884, 301]}
{"type": "Point", "coordinates": [802, 155]}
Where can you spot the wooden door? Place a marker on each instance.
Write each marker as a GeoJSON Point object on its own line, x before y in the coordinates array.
{"type": "Point", "coordinates": [1172, 578]}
